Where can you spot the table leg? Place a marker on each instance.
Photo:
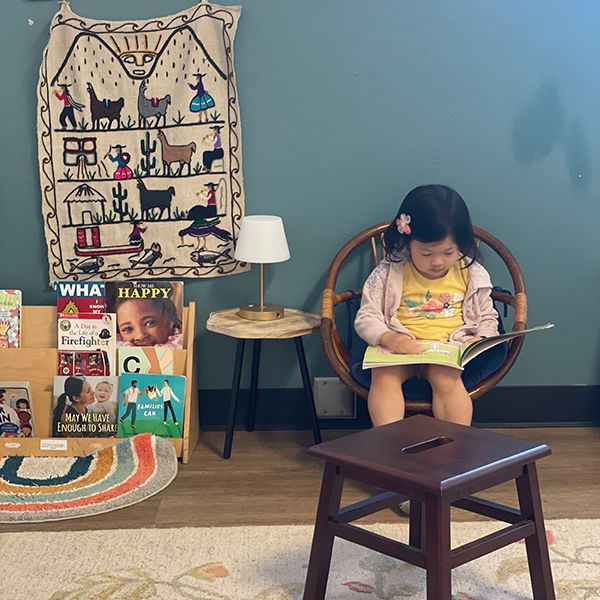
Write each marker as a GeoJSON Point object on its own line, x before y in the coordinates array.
{"type": "Point", "coordinates": [235, 390]}
{"type": "Point", "coordinates": [250, 421]}
{"type": "Point", "coordinates": [437, 542]}
{"type": "Point", "coordinates": [322, 543]}
{"type": "Point", "coordinates": [308, 389]}
{"type": "Point", "coordinates": [530, 502]}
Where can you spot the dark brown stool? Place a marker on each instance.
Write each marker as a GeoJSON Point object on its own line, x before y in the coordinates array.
{"type": "Point", "coordinates": [437, 465]}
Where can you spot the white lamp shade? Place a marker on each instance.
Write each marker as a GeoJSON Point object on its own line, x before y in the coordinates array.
{"type": "Point", "coordinates": [262, 240]}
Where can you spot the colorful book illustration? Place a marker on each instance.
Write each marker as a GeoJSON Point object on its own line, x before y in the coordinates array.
{"type": "Point", "coordinates": [16, 412]}
{"type": "Point", "coordinates": [442, 353]}
{"type": "Point", "coordinates": [149, 313]}
{"type": "Point", "coordinates": [151, 404]}
{"type": "Point", "coordinates": [85, 406]}
{"type": "Point", "coordinates": [153, 360]}
{"type": "Point", "coordinates": [83, 363]}
{"type": "Point", "coordinates": [89, 332]}
{"type": "Point", "coordinates": [80, 297]}
{"type": "Point", "coordinates": [10, 318]}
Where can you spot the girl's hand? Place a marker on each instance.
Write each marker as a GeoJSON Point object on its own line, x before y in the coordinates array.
{"type": "Point", "coordinates": [400, 343]}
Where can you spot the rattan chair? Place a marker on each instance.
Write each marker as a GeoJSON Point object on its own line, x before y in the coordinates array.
{"type": "Point", "coordinates": [337, 352]}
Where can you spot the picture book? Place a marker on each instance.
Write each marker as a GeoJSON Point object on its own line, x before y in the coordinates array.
{"type": "Point", "coordinates": [80, 297]}
{"type": "Point", "coordinates": [16, 413]}
{"type": "Point", "coordinates": [83, 363]}
{"type": "Point", "coordinates": [89, 332]}
{"type": "Point", "coordinates": [10, 318]}
{"type": "Point", "coordinates": [85, 406]}
{"type": "Point", "coordinates": [442, 353]}
{"type": "Point", "coordinates": [157, 361]}
{"type": "Point", "coordinates": [151, 404]}
{"type": "Point", "coordinates": [149, 313]}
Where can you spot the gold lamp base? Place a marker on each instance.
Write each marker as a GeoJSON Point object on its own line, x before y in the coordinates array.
{"type": "Point", "coordinates": [261, 312]}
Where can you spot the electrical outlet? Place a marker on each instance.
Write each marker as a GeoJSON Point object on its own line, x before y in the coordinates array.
{"type": "Point", "coordinates": [333, 400]}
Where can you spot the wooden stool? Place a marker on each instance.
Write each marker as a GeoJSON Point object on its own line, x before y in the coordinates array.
{"type": "Point", "coordinates": [437, 465]}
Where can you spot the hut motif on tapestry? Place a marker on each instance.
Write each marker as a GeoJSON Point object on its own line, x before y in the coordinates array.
{"type": "Point", "coordinates": [140, 146]}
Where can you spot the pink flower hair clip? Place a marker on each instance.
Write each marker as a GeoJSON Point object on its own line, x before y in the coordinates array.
{"type": "Point", "coordinates": [403, 224]}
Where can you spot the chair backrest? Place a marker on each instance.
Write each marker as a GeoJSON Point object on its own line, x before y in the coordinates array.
{"type": "Point", "coordinates": [336, 350]}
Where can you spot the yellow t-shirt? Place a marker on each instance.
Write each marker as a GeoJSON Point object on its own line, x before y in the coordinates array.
{"type": "Point", "coordinates": [432, 308]}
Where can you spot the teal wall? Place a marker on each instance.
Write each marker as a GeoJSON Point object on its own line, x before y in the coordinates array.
{"type": "Point", "coordinates": [346, 106]}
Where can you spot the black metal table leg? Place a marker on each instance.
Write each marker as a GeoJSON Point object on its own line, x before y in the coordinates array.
{"type": "Point", "coordinates": [308, 389]}
{"type": "Point", "coordinates": [235, 389]}
{"type": "Point", "coordinates": [253, 386]}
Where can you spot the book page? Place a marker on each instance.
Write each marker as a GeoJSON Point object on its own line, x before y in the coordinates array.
{"type": "Point", "coordinates": [435, 353]}
{"type": "Point", "coordinates": [473, 349]}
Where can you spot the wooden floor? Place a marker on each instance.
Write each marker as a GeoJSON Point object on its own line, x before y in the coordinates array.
{"type": "Point", "coordinates": [270, 480]}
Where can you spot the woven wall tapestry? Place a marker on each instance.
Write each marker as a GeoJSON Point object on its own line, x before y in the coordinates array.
{"type": "Point", "coordinates": [140, 146]}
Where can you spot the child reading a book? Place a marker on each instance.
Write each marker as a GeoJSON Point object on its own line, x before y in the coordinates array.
{"type": "Point", "coordinates": [147, 322]}
{"type": "Point", "coordinates": [428, 287]}
{"type": "Point", "coordinates": [77, 395]}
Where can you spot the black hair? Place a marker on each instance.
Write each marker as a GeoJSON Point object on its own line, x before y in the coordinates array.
{"type": "Point", "coordinates": [22, 402]}
{"type": "Point", "coordinates": [435, 211]}
{"type": "Point", "coordinates": [73, 388]}
{"type": "Point", "coordinates": [165, 305]}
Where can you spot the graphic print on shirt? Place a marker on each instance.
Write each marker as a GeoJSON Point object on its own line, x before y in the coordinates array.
{"type": "Point", "coordinates": [445, 305]}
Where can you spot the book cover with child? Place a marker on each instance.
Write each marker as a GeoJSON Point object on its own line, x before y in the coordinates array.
{"type": "Point", "coordinates": [151, 404]}
{"type": "Point", "coordinates": [149, 313]}
{"type": "Point", "coordinates": [16, 413]}
{"type": "Point", "coordinates": [85, 406]}
{"type": "Point", "coordinates": [10, 318]}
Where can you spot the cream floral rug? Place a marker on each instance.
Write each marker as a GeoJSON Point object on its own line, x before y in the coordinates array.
{"type": "Point", "coordinates": [269, 563]}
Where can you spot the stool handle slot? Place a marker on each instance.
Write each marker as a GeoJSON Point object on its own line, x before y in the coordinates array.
{"type": "Point", "coordinates": [426, 445]}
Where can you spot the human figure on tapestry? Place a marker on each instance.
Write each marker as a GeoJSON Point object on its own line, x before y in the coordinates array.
{"type": "Point", "coordinates": [69, 105]}
{"type": "Point", "coordinates": [77, 396]}
{"type": "Point", "coordinates": [210, 156]}
{"type": "Point", "coordinates": [122, 159]}
{"type": "Point", "coordinates": [202, 101]}
{"type": "Point", "coordinates": [205, 220]}
{"type": "Point", "coordinates": [130, 398]}
{"type": "Point", "coordinates": [135, 237]}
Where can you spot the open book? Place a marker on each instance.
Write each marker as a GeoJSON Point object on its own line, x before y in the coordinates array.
{"type": "Point", "coordinates": [441, 353]}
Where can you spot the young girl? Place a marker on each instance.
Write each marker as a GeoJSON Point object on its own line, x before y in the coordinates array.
{"type": "Point", "coordinates": [429, 287]}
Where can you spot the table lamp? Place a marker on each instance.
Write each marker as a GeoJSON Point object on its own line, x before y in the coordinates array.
{"type": "Point", "coordinates": [261, 240]}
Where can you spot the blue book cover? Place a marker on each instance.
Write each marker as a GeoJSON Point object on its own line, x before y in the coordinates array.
{"type": "Point", "coordinates": [151, 404]}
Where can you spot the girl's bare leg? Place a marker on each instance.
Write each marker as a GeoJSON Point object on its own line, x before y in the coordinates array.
{"type": "Point", "coordinates": [386, 400]}
{"type": "Point", "coordinates": [451, 401]}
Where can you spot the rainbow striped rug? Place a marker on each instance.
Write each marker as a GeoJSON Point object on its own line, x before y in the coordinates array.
{"type": "Point", "coordinates": [34, 489]}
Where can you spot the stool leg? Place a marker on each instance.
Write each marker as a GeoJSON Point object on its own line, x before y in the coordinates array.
{"type": "Point", "coordinates": [235, 390]}
{"type": "Point", "coordinates": [322, 543]}
{"type": "Point", "coordinates": [253, 386]}
{"type": "Point", "coordinates": [416, 531]}
{"type": "Point", "coordinates": [437, 542]}
{"type": "Point", "coordinates": [308, 390]}
{"type": "Point", "coordinates": [530, 503]}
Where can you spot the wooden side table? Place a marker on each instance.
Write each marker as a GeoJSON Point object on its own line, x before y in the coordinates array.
{"type": "Point", "coordinates": [294, 325]}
